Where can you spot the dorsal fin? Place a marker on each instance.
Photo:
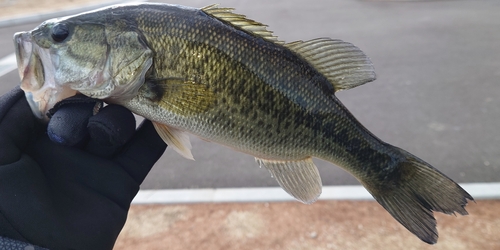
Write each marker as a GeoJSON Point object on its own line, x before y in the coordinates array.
{"type": "Point", "coordinates": [241, 22]}
{"type": "Point", "coordinates": [342, 63]}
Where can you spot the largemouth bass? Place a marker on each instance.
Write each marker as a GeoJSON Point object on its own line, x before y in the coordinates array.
{"type": "Point", "coordinates": [227, 79]}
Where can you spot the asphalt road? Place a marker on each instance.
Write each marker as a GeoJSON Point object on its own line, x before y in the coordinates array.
{"type": "Point", "coordinates": [436, 95]}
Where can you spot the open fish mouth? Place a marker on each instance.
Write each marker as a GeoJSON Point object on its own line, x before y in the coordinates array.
{"type": "Point", "coordinates": [35, 67]}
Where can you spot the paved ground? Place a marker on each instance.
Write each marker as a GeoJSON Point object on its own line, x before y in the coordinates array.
{"type": "Point", "coordinates": [20, 8]}
{"type": "Point", "coordinates": [293, 226]}
{"type": "Point", "coordinates": [438, 65]}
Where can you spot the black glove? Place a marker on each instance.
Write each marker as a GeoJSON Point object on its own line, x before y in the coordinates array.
{"type": "Point", "coordinates": [63, 197]}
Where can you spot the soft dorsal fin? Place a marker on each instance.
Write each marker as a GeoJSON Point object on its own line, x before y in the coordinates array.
{"type": "Point", "coordinates": [240, 21]}
{"type": "Point", "coordinates": [342, 63]}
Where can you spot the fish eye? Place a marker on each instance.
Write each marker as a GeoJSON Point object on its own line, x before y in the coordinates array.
{"type": "Point", "coordinates": [60, 32]}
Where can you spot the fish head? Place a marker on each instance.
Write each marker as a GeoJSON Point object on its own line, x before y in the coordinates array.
{"type": "Point", "coordinates": [96, 54]}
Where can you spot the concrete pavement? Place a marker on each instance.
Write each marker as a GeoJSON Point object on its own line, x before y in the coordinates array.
{"type": "Point", "coordinates": [343, 225]}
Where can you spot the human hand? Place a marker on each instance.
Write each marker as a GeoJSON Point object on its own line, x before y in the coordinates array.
{"type": "Point", "coordinates": [77, 197]}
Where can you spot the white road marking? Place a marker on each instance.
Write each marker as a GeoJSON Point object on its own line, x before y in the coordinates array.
{"type": "Point", "coordinates": [275, 194]}
{"type": "Point", "coordinates": [7, 64]}
{"type": "Point", "coordinates": [42, 16]}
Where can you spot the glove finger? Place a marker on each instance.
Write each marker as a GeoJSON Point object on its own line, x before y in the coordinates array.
{"type": "Point", "coordinates": [109, 130]}
{"type": "Point", "coordinates": [141, 152]}
{"type": "Point", "coordinates": [68, 124]}
{"type": "Point", "coordinates": [18, 125]}
{"type": "Point", "coordinates": [8, 100]}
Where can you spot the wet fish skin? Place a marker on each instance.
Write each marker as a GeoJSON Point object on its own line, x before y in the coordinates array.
{"type": "Point", "coordinates": [227, 79]}
{"type": "Point", "coordinates": [235, 87]}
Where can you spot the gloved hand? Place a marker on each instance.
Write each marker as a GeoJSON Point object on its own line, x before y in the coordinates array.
{"type": "Point", "coordinates": [70, 197]}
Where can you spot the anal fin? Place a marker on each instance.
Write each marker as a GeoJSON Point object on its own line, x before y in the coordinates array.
{"type": "Point", "coordinates": [176, 139]}
{"type": "Point", "coordinates": [299, 178]}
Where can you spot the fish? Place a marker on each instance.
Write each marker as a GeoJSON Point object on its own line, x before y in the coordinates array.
{"type": "Point", "coordinates": [227, 79]}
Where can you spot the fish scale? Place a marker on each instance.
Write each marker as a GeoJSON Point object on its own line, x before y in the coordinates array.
{"type": "Point", "coordinates": [260, 102]}
{"type": "Point", "coordinates": [227, 79]}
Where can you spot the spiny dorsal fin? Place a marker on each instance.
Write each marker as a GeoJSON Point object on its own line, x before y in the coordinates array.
{"type": "Point", "coordinates": [240, 21]}
{"type": "Point", "coordinates": [342, 63]}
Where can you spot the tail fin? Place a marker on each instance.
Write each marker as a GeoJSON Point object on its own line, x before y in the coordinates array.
{"type": "Point", "coordinates": [419, 190]}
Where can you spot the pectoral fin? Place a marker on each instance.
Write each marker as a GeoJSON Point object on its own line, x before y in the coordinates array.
{"type": "Point", "coordinates": [182, 96]}
{"type": "Point", "coordinates": [298, 178]}
{"type": "Point", "coordinates": [176, 139]}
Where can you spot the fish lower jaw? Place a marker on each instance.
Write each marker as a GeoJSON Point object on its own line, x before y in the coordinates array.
{"type": "Point", "coordinates": [42, 100]}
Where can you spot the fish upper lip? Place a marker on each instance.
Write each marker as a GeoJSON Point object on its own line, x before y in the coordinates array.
{"type": "Point", "coordinates": [24, 49]}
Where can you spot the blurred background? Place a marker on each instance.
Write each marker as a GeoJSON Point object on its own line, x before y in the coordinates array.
{"type": "Point", "coordinates": [436, 94]}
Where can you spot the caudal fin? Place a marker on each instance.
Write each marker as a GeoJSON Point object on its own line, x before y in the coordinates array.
{"type": "Point", "coordinates": [416, 190]}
